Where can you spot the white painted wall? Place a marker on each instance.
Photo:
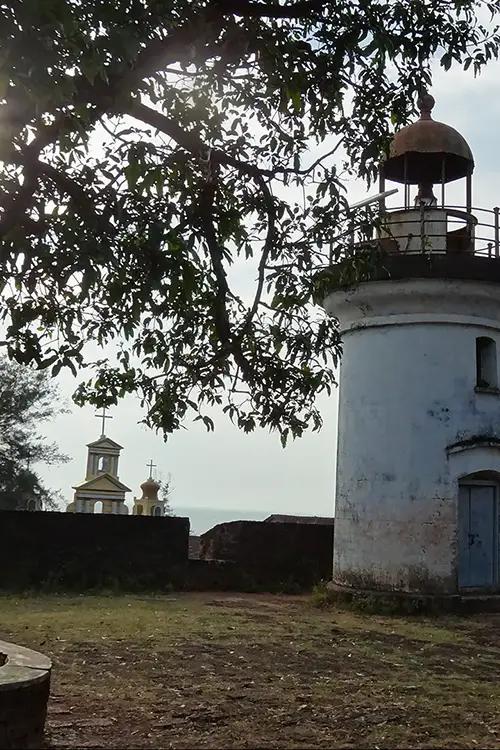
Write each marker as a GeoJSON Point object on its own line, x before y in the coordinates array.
{"type": "Point", "coordinates": [407, 381]}
{"type": "Point", "coordinates": [416, 232]}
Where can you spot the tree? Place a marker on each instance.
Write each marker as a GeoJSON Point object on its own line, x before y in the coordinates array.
{"type": "Point", "coordinates": [151, 149]}
{"type": "Point", "coordinates": [166, 491]}
{"type": "Point", "coordinates": [27, 398]}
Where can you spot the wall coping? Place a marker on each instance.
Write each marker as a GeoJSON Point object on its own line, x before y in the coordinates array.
{"type": "Point", "coordinates": [22, 666]}
{"type": "Point", "coordinates": [477, 441]}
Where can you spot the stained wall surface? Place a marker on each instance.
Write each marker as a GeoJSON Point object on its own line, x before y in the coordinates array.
{"type": "Point", "coordinates": [407, 395]}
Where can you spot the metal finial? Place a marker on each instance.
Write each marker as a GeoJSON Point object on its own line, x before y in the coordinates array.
{"type": "Point", "coordinates": [425, 103]}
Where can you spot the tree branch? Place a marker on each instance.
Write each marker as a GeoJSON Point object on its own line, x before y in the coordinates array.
{"type": "Point", "coordinates": [192, 143]}
{"type": "Point", "coordinates": [196, 36]}
{"type": "Point", "coordinates": [221, 316]}
{"type": "Point", "coordinates": [200, 32]}
{"type": "Point", "coordinates": [15, 206]}
{"type": "Point", "coordinates": [83, 202]}
{"type": "Point", "coordinates": [229, 342]}
{"type": "Point", "coordinates": [189, 140]}
{"type": "Point", "coordinates": [268, 246]}
{"type": "Point", "coordinates": [34, 169]}
{"type": "Point", "coordinates": [301, 9]}
{"type": "Point", "coordinates": [185, 138]}
{"type": "Point", "coordinates": [319, 159]}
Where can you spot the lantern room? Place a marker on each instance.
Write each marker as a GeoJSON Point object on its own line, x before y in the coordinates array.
{"type": "Point", "coordinates": [424, 158]}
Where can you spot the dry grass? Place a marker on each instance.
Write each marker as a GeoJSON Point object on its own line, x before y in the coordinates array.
{"type": "Point", "coordinates": [218, 670]}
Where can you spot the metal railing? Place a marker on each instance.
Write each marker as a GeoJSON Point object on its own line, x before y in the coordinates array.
{"type": "Point", "coordinates": [399, 230]}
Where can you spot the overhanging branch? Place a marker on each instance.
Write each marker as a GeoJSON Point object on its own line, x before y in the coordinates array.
{"type": "Point", "coordinates": [266, 251]}
{"type": "Point", "coordinates": [199, 32]}
{"type": "Point", "coordinates": [301, 9]}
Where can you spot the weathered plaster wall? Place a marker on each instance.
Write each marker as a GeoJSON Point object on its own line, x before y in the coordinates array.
{"type": "Point", "coordinates": [407, 384]}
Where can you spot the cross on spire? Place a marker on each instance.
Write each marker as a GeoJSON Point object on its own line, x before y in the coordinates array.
{"type": "Point", "coordinates": [103, 416]}
{"type": "Point", "coordinates": [151, 466]}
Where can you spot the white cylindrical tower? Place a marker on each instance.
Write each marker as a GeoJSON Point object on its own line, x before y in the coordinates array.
{"type": "Point", "coordinates": [418, 460]}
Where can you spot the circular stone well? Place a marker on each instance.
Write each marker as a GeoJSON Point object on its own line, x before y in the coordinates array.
{"type": "Point", "coordinates": [24, 692]}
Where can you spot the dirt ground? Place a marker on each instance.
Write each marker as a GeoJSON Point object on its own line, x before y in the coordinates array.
{"type": "Point", "coordinates": [258, 671]}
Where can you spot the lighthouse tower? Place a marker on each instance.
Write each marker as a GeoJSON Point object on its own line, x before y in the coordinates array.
{"type": "Point", "coordinates": [418, 469]}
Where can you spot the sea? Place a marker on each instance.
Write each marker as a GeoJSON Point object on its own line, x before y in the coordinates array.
{"type": "Point", "coordinates": [202, 519]}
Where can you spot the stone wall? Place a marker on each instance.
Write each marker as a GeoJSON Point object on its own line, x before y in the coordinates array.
{"type": "Point", "coordinates": [24, 692]}
{"type": "Point", "coordinates": [320, 520]}
{"type": "Point", "coordinates": [273, 553]}
{"type": "Point", "coordinates": [84, 551]}
{"type": "Point", "coordinates": [194, 547]}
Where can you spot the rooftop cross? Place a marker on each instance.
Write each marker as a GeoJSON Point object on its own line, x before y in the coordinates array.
{"type": "Point", "coordinates": [151, 466]}
{"type": "Point", "coordinates": [103, 416]}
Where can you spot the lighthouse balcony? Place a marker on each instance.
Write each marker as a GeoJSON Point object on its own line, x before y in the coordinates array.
{"type": "Point", "coordinates": [426, 229]}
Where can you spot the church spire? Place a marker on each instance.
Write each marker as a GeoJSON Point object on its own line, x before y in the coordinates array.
{"type": "Point", "coordinates": [101, 487]}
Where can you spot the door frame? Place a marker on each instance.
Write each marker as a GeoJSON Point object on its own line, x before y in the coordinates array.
{"type": "Point", "coordinates": [464, 482]}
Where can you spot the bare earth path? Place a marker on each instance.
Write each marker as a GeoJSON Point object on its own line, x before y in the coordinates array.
{"type": "Point", "coordinates": [247, 671]}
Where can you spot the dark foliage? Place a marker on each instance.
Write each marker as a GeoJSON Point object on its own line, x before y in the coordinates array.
{"type": "Point", "coordinates": [160, 156]}
{"type": "Point", "coordinates": [27, 399]}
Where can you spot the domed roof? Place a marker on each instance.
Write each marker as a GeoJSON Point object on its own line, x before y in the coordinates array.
{"type": "Point", "coordinates": [150, 482]}
{"type": "Point", "coordinates": [150, 489]}
{"type": "Point", "coordinates": [432, 151]}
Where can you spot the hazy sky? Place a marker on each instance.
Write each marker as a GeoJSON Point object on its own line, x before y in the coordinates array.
{"type": "Point", "coordinates": [228, 469]}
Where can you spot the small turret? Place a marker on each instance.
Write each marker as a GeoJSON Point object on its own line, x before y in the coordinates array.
{"type": "Point", "coordinates": [149, 504]}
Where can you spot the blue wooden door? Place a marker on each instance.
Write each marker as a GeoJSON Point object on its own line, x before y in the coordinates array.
{"type": "Point", "coordinates": [476, 515]}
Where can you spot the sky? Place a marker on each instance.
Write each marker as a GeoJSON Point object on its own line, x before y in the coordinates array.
{"type": "Point", "coordinates": [228, 469]}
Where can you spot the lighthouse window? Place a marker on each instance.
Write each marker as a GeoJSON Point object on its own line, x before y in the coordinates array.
{"type": "Point", "coordinates": [486, 363]}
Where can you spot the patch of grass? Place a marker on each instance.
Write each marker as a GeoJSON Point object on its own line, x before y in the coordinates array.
{"type": "Point", "coordinates": [320, 596]}
{"type": "Point", "coordinates": [236, 670]}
